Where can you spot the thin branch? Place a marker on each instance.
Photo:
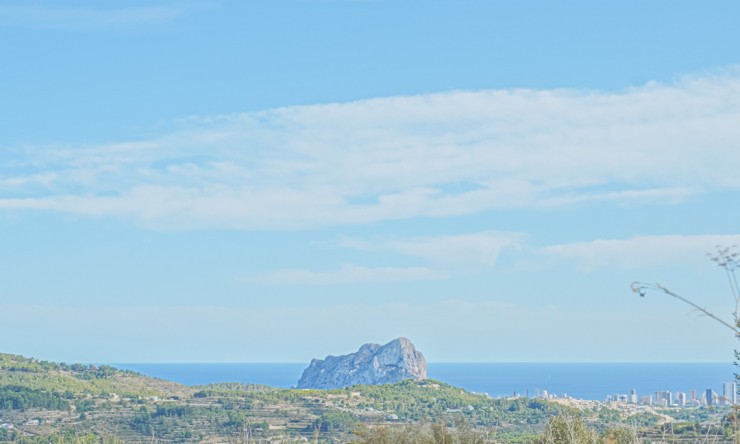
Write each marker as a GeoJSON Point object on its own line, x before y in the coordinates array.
{"type": "Point", "coordinates": [727, 258]}
{"type": "Point", "coordinates": [641, 288]}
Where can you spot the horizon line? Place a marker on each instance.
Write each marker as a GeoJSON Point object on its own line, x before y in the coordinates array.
{"type": "Point", "coordinates": [429, 362]}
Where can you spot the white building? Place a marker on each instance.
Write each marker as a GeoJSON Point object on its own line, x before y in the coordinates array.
{"type": "Point", "coordinates": [681, 399]}
{"type": "Point", "coordinates": [730, 393]}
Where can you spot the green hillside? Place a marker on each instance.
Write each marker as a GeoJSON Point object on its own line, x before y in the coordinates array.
{"type": "Point", "coordinates": [42, 402]}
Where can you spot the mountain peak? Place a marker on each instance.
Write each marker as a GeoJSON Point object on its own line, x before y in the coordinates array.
{"type": "Point", "coordinates": [372, 364]}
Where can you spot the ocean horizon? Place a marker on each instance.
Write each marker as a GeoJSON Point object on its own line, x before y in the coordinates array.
{"type": "Point", "coordinates": [593, 381]}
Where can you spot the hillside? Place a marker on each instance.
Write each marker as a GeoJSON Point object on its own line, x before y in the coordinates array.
{"type": "Point", "coordinates": [43, 401]}
{"type": "Point", "coordinates": [40, 398]}
{"type": "Point", "coordinates": [81, 379]}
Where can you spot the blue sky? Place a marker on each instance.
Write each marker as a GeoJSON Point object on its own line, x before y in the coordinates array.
{"type": "Point", "coordinates": [271, 181]}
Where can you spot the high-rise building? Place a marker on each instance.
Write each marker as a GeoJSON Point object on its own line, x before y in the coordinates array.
{"type": "Point", "coordinates": [692, 394]}
{"type": "Point", "coordinates": [633, 396]}
{"type": "Point", "coordinates": [681, 399]}
{"type": "Point", "coordinates": [730, 393]}
{"type": "Point", "coordinates": [710, 397]}
{"type": "Point", "coordinates": [663, 398]}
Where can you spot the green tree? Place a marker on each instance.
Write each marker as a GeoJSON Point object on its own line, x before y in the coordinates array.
{"type": "Point", "coordinates": [620, 436]}
{"type": "Point", "coordinates": [568, 429]}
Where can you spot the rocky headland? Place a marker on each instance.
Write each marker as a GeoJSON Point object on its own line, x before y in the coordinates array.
{"type": "Point", "coordinates": [372, 364]}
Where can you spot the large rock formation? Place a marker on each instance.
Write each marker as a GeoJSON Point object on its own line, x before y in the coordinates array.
{"type": "Point", "coordinates": [372, 364]}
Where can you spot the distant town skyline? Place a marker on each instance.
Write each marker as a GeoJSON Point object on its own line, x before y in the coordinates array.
{"type": "Point", "coordinates": [668, 398]}
{"type": "Point", "coordinates": [257, 181]}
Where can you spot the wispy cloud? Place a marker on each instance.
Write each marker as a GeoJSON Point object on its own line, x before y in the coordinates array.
{"type": "Point", "coordinates": [86, 18]}
{"type": "Point", "coordinates": [483, 247]}
{"type": "Point", "coordinates": [433, 155]}
{"type": "Point", "coordinates": [641, 251]}
{"type": "Point", "coordinates": [347, 274]}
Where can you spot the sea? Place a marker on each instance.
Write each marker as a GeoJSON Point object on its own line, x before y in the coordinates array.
{"type": "Point", "coordinates": [592, 381]}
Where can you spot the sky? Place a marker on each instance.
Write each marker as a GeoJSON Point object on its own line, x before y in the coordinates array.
{"type": "Point", "coordinates": [275, 181]}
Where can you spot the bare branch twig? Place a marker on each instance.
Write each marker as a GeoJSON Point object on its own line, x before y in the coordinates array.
{"type": "Point", "coordinates": [641, 288]}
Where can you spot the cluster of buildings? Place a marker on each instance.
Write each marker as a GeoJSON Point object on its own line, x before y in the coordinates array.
{"type": "Point", "coordinates": [667, 398]}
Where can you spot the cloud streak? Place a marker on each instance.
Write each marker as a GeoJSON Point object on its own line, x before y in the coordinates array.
{"type": "Point", "coordinates": [641, 251]}
{"type": "Point", "coordinates": [435, 155]}
{"type": "Point", "coordinates": [347, 274]}
{"type": "Point", "coordinates": [481, 248]}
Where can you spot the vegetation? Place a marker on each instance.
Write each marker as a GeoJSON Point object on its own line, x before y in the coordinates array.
{"type": "Point", "coordinates": [438, 433]}
{"type": "Point", "coordinates": [76, 378]}
{"type": "Point", "coordinates": [567, 428]}
{"type": "Point", "coordinates": [67, 437]}
{"type": "Point", "coordinates": [22, 398]}
{"type": "Point", "coordinates": [59, 403]}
